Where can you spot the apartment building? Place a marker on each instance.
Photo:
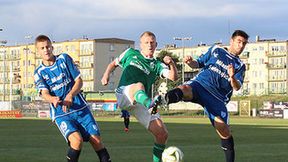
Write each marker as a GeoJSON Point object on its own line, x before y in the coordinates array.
{"type": "Point", "coordinates": [18, 63]}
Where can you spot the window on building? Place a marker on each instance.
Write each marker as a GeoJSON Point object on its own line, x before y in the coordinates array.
{"type": "Point", "coordinates": [261, 85]}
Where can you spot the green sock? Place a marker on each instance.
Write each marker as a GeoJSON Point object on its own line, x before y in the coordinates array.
{"type": "Point", "coordinates": [142, 98]}
{"type": "Point", "coordinates": [157, 152]}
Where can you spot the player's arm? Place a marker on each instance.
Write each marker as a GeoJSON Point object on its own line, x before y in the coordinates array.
{"type": "Point", "coordinates": [111, 67]}
{"type": "Point", "coordinates": [190, 62]}
{"type": "Point", "coordinates": [233, 81]}
{"type": "Point", "coordinates": [173, 69]}
{"type": "Point", "coordinates": [51, 99]}
{"type": "Point", "coordinates": [74, 91]}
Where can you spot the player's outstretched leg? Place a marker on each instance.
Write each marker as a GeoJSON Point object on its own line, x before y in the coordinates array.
{"type": "Point", "coordinates": [173, 96]}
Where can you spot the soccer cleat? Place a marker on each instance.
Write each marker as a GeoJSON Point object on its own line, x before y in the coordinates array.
{"type": "Point", "coordinates": [154, 104]}
{"type": "Point", "coordinates": [126, 130]}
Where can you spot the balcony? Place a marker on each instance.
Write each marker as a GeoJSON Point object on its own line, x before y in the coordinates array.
{"type": "Point", "coordinates": [86, 66]}
{"type": "Point", "coordinates": [276, 53]}
{"type": "Point", "coordinates": [86, 53]}
{"type": "Point", "coordinates": [276, 66]}
{"type": "Point", "coordinates": [277, 79]}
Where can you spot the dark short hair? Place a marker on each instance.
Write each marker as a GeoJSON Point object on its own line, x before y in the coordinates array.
{"type": "Point", "coordinates": [42, 38]}
{"type": "Point", "coordinates": [148, 33]}
{"type": "Point", "coordinates": [240, 33]}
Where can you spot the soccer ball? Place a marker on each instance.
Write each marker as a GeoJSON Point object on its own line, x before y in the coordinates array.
{"type": "Point", "coordinates": [172, 154]}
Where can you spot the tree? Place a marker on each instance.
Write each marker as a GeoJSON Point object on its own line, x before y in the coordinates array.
{"type": "Point", "coordinates": [170, 84]}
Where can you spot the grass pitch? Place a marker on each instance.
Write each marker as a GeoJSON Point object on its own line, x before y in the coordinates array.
{"type": "Point", "coordinates": [263, 140]}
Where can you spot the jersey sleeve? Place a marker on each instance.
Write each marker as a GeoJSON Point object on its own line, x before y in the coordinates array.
{"type": "Point", "coordinates": [74, 71]}
{"type": "Point", "coordinates": [120, 60]}
{"type": "Point", "coordinates": [39, 82]}
{"type": "Point", "coordinates": [203, 59]}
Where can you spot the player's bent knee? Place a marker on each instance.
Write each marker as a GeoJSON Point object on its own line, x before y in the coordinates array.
{"type": "Point", "coordinates": [222, 130]}
{"type": "Point", "coordinates": [96, 142]}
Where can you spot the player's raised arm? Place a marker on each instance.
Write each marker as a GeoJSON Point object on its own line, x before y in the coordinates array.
{"type": "Point", "coordinates": [173, 69]}
{"type": "Point", "coordinates": [109, 69]}
{"type": "Point", "coordinates": [233, 81]}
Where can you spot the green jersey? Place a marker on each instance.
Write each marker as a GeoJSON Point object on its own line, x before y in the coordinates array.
{"type": "Point", "coordinates": [138, 68]}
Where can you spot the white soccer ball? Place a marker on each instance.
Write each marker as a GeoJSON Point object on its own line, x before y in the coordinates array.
{"type": "Point", "coordinates": [172, 154]}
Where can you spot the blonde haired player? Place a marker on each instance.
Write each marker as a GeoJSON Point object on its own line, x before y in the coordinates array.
{"type": "Point", "coordinates": [140, 71]}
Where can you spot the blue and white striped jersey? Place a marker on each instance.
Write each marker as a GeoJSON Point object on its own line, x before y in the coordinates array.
{"type": "Point", "coordinates": [214, 74]}
{"type": "Point", "coordinates": [59, 79]}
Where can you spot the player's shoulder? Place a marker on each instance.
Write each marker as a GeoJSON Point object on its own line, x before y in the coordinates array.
{"type": "Point", "coordinates": [63, 56]}
{"type": "Point", "coordinates": [40, 68]}
{"type": "Point", "coordinates": [219, 48]}
{"type": "Point", "coordinates": [132, 51]}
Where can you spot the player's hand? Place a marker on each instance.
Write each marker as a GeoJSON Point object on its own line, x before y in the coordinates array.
{"type": "Point", "coordinates": [188, 59]}
{"type": "Point", "coordinates": [231, 70]}
{"type": "Point", "coordinates": [168, 60]}
{"type": "Point", "coordinates": [105, 80]}
{"type": "Point", "coordinates": [67, 103]}
{"type": "Point", "coordinates": [56, 101]}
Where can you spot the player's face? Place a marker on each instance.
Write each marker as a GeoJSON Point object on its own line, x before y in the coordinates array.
{"type": "Point", "coordinates": [237, 45]}
{"type": "Point", "coordinates": [148, 45]}
{"type": "Point", "coordinates": [45, 50]}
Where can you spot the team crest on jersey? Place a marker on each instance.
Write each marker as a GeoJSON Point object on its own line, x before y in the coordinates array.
{"type": "Point", "coordinates": [62, 65]}
{"type": "Point", "coordinates": [223, 114]}
{"type": "Point", "coordinates": [152, 65]}
{"type": "Point", "coordinates": [94, 127]}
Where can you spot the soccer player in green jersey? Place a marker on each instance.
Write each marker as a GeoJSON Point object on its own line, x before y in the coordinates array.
{"type": "Point", "coordinates": [140, 71]}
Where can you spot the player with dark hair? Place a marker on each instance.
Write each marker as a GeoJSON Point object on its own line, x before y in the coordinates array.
{"type": "Point", "coordinates": [58, 80]}
{"type": "Point", "coordinates": [140, 71]}
{"type": "Point", "coordinates": [222, 72]}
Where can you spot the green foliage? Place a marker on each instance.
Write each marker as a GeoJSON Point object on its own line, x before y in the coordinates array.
{"type": "Point", "coordinates": [170, 84]}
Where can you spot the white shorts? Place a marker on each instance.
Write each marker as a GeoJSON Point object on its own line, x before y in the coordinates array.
{"type": "Point", "coordinates": [140, 112]}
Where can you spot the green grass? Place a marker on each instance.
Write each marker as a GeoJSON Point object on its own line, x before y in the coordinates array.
{"type": "Point", "coordinates": [263, 140]}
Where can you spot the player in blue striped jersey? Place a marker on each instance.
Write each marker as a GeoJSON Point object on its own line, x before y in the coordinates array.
{"type": "Point", "coordinates": [222, 72]}
{"type": "Point", "coordinates": [59, 83]}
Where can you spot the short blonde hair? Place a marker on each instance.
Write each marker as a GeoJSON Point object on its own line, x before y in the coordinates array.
{"type": "Point", "coordinates": [149, 33]}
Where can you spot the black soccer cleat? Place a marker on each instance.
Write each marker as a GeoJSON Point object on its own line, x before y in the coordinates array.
{"type": "Point", "coordinates": [156, 101]}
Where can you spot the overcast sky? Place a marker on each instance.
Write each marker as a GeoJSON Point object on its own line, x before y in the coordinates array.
{"type": "Point", "coordinates": [206, 21]}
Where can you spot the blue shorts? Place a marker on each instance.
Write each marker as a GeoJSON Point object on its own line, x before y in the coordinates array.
{"type": "Point", "coordinates": [212, 106]}
{"type": "Point", "coordinates": [81, 121]}
{"type": "Point", "coordinates": [125, 114]}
